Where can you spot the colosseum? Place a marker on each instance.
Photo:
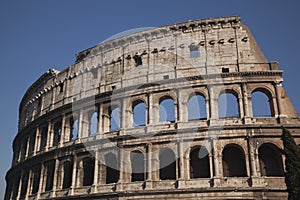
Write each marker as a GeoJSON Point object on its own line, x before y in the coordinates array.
{"type": "Point", "coordinates": [186, 111]}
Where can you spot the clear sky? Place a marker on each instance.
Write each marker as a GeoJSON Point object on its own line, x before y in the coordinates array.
{"type": "Point", "coordinates": [37, 35]}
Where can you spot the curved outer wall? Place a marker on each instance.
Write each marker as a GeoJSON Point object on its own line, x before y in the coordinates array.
{"type": "Point", "coordinates": [206, 57]}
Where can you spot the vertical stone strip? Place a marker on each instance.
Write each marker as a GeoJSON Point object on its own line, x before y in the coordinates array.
{"type": "Point", "coordinates": [29, 185]}
{"type": "Point", "coordinates": [74, 173]}
{"type": "Point", "coordinates": [49, 136]}
{"type": "Point", "coordinates": [100, 120]}
{"type": "Point", "coordinates": [55, 178]}
{"type": "Point", "coordinates": [150, 109]}
{"type": "Point", "coordinates": [96, 171]}
{"type": "Point", "coordinates": [42, 180]}
{"type": "Point", "coordinates": [80, 129]}
{"type": "Point", "coordinates": [37, 141]}
{"type": "Point", "coordinates": [62, 129]}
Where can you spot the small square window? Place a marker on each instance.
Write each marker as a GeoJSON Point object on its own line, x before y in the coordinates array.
{"type": "Point", "coordinates": [225, 70]}
{"type": "Point", "coordinates": [194, 51]}
{"type": "Point", "coordinates": [166, 77]}
{"type": "Point", "coordinates": [138, 60]}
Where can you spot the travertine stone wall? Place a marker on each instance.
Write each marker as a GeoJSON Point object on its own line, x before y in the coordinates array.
{"type": "Point", "coordinates": [203, 57]}
{"type": "Point", "coordinates": [222, 43]}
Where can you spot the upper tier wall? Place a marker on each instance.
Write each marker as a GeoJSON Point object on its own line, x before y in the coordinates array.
{"type": "Point", "coordinates": [187, 49]}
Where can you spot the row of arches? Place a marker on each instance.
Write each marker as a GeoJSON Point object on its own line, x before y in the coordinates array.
{"type": "Point", "coordinates": [227, 104]}
{"type": "Point", "coordinates": [227, 107]}
{"type": "Point", "coordinates": [233, 162]}
{"type": "Point", "coordinates": [233, 165]}
{"type": "Point", "coordinates": [57, 132]}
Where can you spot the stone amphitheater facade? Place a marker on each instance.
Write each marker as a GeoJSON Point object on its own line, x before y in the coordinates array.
{"type": "Point", "coordinates": [140, 117]}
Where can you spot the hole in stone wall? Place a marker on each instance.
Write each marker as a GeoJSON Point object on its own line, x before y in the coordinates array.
{"type": "Point", "coordinates": [67, 174]}
{"type": "Point", "coordinates": [57, 133]}
{"type": "Point", "coordinates": [199, 163]}
{"type": "Point", "coordinates": [88, 171]}
{"type": "Point", "coordinates": [261, 104]}
{"type": "Point", "coordinates": [138, 60]}
{"type": "Point", "coordinates": [61, 88]}
{"type": "Point", "coordinates": [137, 166]}
{"type": "Point", "coordinates": [196, 107]}
{"type": "Point", "coordinates": [139, 114]}
{"type": "Point", "coordinates": [166, 77]}
{"type": "Point", "coordinates": [167, 110]}
{"type": "Point", "coordinates": [94, 73]}
{"type": "Point", "coordinates": [112, 172]}
{"type": "Point", "coordinates": [36, 179]}
{"type": "Point", "coordinates": [225, 70]}
{"type": "Point", "coordinates": [74, 130]}
{"type": "Point", "coordinates": [24, 148]}
{"type": "Point", "coordinates": [16, 185]}
{"type": "Point", "coordinates": [93, 129]}
{"type": "Point", "coordinates": [167, 164]}
{"type": "Point", "coordinates": [270, 159]}
{"type": "Point", "coordinates": [115, 119]}
{"type": "Point", "coordinates": [234, 163]}
{"type": "Point", "coordinates": [50, 166]}
{"type": "Point", "coordinates": [43, 135]}
{"type": "Point", "coordinates": [24, 183]}
{"type": "Point", "coordinates": [194, 51]}
{"type": "Point", "coordinates": [31, 144]}
{"type": "Point", "coordinates": [228, 105]}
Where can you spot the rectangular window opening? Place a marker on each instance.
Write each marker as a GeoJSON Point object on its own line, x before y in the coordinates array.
{"type": "Point", "coordinates": [194, 52]}
{"type": "Point", "coordinates": [225, 70]}
{"type": "Point", "coordinates": [138, 60]}
{"type": "Point", "coordinates": [166, 77]}
{"type": "Point", "coordinates": [61, 88]}
{"type": "Point", "coordinates": [95, 73]}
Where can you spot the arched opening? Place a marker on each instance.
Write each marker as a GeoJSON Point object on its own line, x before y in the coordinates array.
{"type": "Point", "coordinates": [234, 163]}
{"type": "Point", "coordinates": [261, 104]}
{"type": "Point", "coordinates": [112, 169]}
{"type": "Point", "coordinates": [36, 179]}
{"type": "Point", "coordinates": [88, 171]}
{"type": "Point", "coordinates": [31, 144]}
{"type": "Point", "coordinates": [114, 119]}
{"type": "Point", "coordinates": [9, 190]}
{"type": "Point", "coordinates": [74, 130]}
{"type": "Point", "coordinates": [16, 185]}
{"type": "Point", "coordinates": [270, 160]}
{"type": "Point", "coordinates": [67, 174]}
{"type": "Point", "coordinates": [93, 124]}
{"type": "Point", "coordinates": [167, 164]}
{"type": "Point", "coordinates": [50, 166]}
{"type": "Point", "coordinates": [24, 148]}
{"type": "Point", "coordinates": [24, 185]}
{"type": "Point", "coordinates": [139, 114]}
{"type": "Point", "coordinates": [199, 163]}
{"type": "Point", "coordinates": [17, 151]}
{"type": "Point", "coordinates": [167, 110]}
{"type": "Point", "coordinates": [196, 107]}
{"type": "Point", "coordinates": [137, 166]}
{"type": "Point", "coordinates": [43, 142]}
{"type": "Point", "coordinates": [228, 105]}
{"type": "Point", "coordinates": [57, 133]}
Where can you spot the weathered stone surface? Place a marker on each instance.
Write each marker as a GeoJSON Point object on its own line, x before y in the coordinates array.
{"type": "Point", "coordinates": [176, 62]}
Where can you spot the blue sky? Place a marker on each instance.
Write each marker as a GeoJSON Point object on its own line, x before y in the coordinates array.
{"type": "Point", "coordinates": [37, 35]}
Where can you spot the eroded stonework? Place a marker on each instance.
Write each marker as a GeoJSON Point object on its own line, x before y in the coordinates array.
{"type": "Point", "coordinates": [104, 128]}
